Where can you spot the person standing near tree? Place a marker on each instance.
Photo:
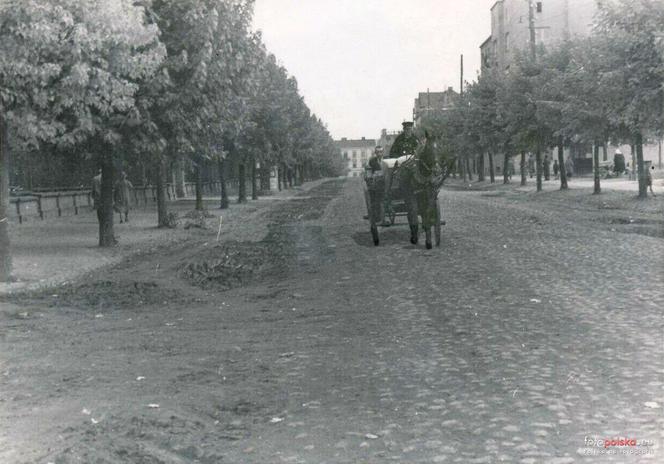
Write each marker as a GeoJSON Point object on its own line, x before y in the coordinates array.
{"type": "Point", "coordinates": [555, 169]}
{"type": "Point", "coordinates": [531, 165]}
{"type": "Point", "coordinates": [121, 196]}
{"type": "Point", "coordinates": [547, 167]}
{"type": "Point", "coordinates": [569, 167]}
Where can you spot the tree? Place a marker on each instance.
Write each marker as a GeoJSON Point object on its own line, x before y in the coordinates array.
{"type": "Point", "coordinates": [632, 66]}
{"type": "Point", "coordinates": [70, 70]}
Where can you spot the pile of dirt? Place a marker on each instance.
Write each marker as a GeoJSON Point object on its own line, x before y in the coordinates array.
{"type": "Point", "coordinates": [228, 265]}
{"type": "Point", "coordinates": [197, 219]}
{"type": "Point", "coordinates": [114, 294]}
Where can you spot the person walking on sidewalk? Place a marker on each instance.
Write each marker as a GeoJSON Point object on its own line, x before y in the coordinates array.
{"type": "Point", "coordinates": [569, 168]}
{"type": "Point", "coordinates": [649, 180]}
{"type": "Point", "coordinates": [121, 196]}
{"type": "Point", "coordinates": [555, 169]}
{"type": "Point", "coordinates": [531, 165]}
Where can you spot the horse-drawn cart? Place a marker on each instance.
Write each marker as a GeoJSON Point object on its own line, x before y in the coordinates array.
{"type": "Point", "coordinates": [398, 189]}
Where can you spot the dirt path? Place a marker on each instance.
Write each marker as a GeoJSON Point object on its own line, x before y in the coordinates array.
{"type": "Point", "coordinates": [525, 333]}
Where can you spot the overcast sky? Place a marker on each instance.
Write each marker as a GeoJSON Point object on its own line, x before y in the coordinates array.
{"type": "Point", "coordinates": [360, 63]}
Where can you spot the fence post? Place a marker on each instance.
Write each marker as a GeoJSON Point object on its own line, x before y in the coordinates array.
{"type": "Point", "coordinates": [57, 203]}
{"type": "Point", "coordinates": [39, 207]}
{"type": "Point", "coordinates": [89, 198]}
{"type": "Point", "coordinates": [18, 210]}
{"type": "Point", "coordinates": [73, 196]}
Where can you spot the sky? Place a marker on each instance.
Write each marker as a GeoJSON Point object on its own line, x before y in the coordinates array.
{"type": "Point", "coordinates": [360, 63]}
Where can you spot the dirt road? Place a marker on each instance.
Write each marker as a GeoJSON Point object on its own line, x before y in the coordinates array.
{"type": "Point", "coordinates": [526, 333]}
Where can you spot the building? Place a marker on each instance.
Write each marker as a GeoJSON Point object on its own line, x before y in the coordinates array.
{"type": "Point", "coordinates": [356, 154]}
{"type": "Point", "coordinates": [554, 21]}
{"type": "Point", "coordinates": [431, 103]}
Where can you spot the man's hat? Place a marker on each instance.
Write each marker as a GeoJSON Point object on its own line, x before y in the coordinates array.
{"type": "Point", "coordinates": [378, 148]}
{"type": "Point", "coordinates": [407, 124]}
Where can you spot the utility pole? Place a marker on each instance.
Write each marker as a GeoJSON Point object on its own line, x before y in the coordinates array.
{"type": "Point", "coordinates": [461, 84]}
{"type": "Point", "coordinates": [531, 26]}
{"type": "Point", "coordinates": [659, 155]}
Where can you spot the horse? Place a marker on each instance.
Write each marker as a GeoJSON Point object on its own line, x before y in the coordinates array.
{"type": "Point", "coordinates": [421, 178]}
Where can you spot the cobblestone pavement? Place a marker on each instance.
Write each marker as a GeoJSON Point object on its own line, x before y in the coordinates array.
{"type": "Point", "coordinates": [524, 335]}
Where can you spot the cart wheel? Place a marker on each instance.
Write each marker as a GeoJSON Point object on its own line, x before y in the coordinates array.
{"type": "Point", "coordinates": [374, 235]}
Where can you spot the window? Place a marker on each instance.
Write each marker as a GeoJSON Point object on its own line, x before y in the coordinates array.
{"type": "Point", "coordinates": [346, 155]}
{"type": "Point", "coordinates": [539, 7]}
{"type": "Point", "coordinates": [354, 163]}
{"type": "Point", "coordinates": [354, 154]}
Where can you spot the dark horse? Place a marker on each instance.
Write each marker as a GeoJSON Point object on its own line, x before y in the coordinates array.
{"type": "Point", "coordinates": [421, 178]}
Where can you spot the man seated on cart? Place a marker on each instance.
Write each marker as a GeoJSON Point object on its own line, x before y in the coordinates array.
{"type": "Point", "coordinates": [374, 187]}
{"type": "Point", "coordinates": [405, 144]}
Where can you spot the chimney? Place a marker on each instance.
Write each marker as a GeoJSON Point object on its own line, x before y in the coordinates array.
{"type": "Point", "coordinates": [362, 138]}
{"type": "Point", "coordinates": [450, 89]}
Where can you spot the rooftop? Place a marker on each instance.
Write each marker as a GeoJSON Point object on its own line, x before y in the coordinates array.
{"type": "Point", "coordinates": [355, 143]}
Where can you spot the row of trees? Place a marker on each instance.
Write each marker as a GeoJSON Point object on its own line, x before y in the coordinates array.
{"type": "Point", "coordinates": [163, 82]}
{"type": "Point", "coordinates": [608, 87]}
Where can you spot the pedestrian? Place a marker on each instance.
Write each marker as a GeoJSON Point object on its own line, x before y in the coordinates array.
{"type": "Point", "coordinates": [96, 191]}
{"type": "Point", "coordinates": [121, 196]}
{"type": "Point", "coordinates": [547, 167]}
{"type": "Point", "coordinates": [555, 169]}
{"type": "Point", "coordinates": [649, 179]}
{"type": "Point", "coordinates": [569, 168]}
{"type": "Point", "coordinates": [531, 165]}
{"type": "Point", "coordinates": [510, 168]}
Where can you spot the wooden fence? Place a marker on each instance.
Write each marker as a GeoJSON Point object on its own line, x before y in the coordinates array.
{"type": "Point", "coordinates": [57, 202]}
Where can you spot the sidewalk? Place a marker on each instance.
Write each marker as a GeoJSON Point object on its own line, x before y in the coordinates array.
{"type": "Point", "coordinates": [56, 251]}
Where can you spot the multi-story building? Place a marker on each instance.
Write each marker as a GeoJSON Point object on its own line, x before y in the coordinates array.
{"type": "Point", "coordinates": [431, 103]}
{"type": "Point", "coordinates": [554, 21]}
{"type": "Point", "coordinates": [356, 154]}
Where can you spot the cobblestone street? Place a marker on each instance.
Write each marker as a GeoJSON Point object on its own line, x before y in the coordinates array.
{"type": "Point", "coordinates": [525, 334]}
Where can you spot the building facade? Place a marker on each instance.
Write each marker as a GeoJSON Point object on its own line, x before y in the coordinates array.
{"type": "Point", "coordinates": [356, 154]}
{"type": "Point", "coordinates": [432, 103]}
{"type": "Point", "coordinates": [554, 21]}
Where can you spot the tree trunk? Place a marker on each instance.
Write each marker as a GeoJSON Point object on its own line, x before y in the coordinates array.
{"type": "Point", "coordinates": [221, 166]}
{"type": "Point", "coordinates": [480, 170]}
{"type": "Point", "coordinates": [522, 166]}
{"type": "Point", "coordinates": [242, 187]}
{"type": "Point", "coordinates": [279, 177]}
{"type": "Point", "coordinates": [469, 169]}
{"type": "Point", "coordinates": [506, 169]}
{"type": "Point", "coordinates": [162, 206]}
{"type": "Point", "coordinates": [561, 164]}
{"type": "Point", "coordinates": [596, 187]}
{"type": "Point", "coordinates": [199, 185]}
{"type": "Point", "coordinates": [538, 167]}
{"type": "Point", "coordinates": [5, 249]}
{"type": "Point", "coordinates": [254, 180]}
{"type": "Point", "coordinates": [643, 185]}
{"type": "Point", "coordinates": [105, 210]}
{"type": "Point", "coordinates": [179, 178]}
{"type": "Point", "coordinates": [492, 174]}
{"type": "Point", "coordinates": [632, 172]}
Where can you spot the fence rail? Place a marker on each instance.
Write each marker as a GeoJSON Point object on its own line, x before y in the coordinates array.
{"type": "Point", "coordinates": [57, 202]}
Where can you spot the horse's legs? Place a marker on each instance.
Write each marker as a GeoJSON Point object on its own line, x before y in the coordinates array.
{"type": "Point", "coordinates": [411, 204]}
{"type": "Point", "coordinates": [427, 231]}
{"type": "Point", "coordinates": [374, 234]}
